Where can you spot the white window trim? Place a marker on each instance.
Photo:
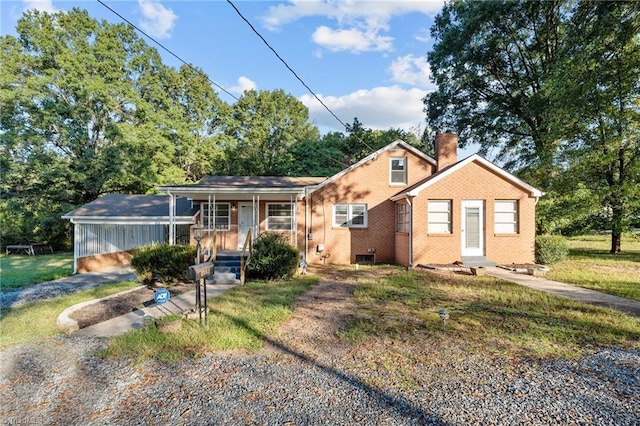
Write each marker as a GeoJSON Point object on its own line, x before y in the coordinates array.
{"type": "Point", "coordinates": [350, 216]}
{"type": "Point", "coordinates": [514, 223]}
{"type": "Point", "coordinates": [269, 228]}
{"type": "Point", "coordinates": [431, 212]}
{"type": "Point", "coordinates": [404, 161]}
{"type": "Point", "coordinates": [204, 215]}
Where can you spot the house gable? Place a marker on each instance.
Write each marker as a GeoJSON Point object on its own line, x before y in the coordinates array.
{"type": "Point", "coordinates": [397, 146]}
{"type": "Point", "coordinates": [417, 188]}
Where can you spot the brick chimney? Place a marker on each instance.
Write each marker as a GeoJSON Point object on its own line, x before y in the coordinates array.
{"type": "Point", "coordinates": [446, 150]}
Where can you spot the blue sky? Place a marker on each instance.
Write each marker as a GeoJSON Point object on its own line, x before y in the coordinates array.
{"type": "Point", "coordinates": [364, 59]}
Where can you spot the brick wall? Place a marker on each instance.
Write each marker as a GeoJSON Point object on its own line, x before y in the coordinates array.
{"type": "Point", "coordinates": [474, 182]}
{"type": "Point", "coordinates": [368, 183]}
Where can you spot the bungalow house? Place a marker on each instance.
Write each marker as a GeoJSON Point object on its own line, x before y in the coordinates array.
{"type": "Point", "coordinates": [397, 205]}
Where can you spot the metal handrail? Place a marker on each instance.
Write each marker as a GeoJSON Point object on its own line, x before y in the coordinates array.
{"type": "Point", "coordinates": [248, 243]}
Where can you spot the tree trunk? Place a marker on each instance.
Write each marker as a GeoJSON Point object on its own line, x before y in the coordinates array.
{"type": "Point", "coordinates": [616, 238]}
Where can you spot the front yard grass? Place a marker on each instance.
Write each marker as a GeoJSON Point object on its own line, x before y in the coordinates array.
{"type": "Point", "coordinates": [590, 265]}
{"type": "Point", "coordinates": [20, 271]}
{"type": "Point", "coordinates": [487, 315]}
{"type": "Point", "coordinates": [34, 321]}
{"type": "Point", "coordinates": [238, 320]}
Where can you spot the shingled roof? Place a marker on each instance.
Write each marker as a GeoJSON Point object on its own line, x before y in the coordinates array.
{"type": "Point", "coordinates": [120, 206]}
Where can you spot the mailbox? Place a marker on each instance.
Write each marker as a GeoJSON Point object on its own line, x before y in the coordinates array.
{"type": "Point", "coordinates": [200, 271]}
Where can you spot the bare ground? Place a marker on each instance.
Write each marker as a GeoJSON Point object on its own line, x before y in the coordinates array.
{"type": "Point", "coordinates": [122, 304]}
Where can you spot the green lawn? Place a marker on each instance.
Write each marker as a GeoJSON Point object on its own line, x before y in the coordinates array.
{"type": "Point", "coordinates": [590, 265]}
{"type": "Point", "coordinates": [487, 315]}
{"type": "Point", "coordinates": [19, 271]}
{"type": "Point", "coordinates": [239, 319]}
{"type": "Point", "coordinates": [33, 321]}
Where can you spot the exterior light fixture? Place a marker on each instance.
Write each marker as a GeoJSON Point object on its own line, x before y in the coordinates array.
{"type": "Point", "coordinates": [444, 316]}
{"type": "Point", "coordinates": [234, 207]}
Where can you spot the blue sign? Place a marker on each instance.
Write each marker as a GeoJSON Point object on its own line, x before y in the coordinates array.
{"type": "Point", "coordinates": [161, 296]}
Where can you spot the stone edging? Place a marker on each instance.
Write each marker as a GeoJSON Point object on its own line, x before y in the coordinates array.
{"type": "Point", "coordinates": [69, 325]}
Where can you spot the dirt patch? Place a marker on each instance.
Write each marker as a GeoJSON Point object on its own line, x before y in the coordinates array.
{"type": "Point", "coordinates": [322, 312]}
{"type": "Point", "coordinates": [122, 304]}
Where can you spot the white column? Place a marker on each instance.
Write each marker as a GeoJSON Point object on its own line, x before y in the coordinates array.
{"type": "Point", "coordinates": [172, 219]}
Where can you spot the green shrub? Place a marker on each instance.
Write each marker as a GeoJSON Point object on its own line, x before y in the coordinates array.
{"type": "Point", "coordinates": [551, 249]}
{"type": "Point", "coordinates": [272, 258]}
{"type": "Point", "coordinates": [162, 262]}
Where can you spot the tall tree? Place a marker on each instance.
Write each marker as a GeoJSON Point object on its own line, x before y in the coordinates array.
{"type": "Point", "coordinates": [263, 126]}
{"type": "Point", "coordinates": [598, 84]}
{"type": "Point", "coordinates": [491, 61]}
{"type": "Point", "coordinates": [86, 108]}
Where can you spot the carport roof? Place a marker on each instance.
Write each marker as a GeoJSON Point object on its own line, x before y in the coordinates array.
{"type": "Point", "coordinates": [141, 208]}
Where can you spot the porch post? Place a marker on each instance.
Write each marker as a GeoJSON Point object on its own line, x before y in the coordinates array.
{"type": "Point", "coordinates": [76, 245]}
{"type": "Point", "coordinates": [172, 219]}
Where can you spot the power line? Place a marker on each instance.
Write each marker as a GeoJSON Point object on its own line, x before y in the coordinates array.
{"type": "Point", "coordinates": [291, 69]}
{"type": "Point", "coordinates": [207, 77]}
{"type": "Point", "coordinates": [169, 51]}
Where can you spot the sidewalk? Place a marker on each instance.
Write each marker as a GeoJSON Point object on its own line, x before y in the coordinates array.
{"type": "Point", "coordinates": [136, 320]}
{"type": "Point", "coordinates": [627, 306]}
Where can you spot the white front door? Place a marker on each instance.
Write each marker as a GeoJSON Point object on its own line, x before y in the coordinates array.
{"type": "Point", "coordinates": [472, 231]}
{"type": "Point", "coordinates": [245, 222]}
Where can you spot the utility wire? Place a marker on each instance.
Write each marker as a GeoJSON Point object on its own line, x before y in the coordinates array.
{"type": "Point", "coordinates": [213, 82]}
{"type": "Point", "coordinates": [169, 51]}
{"type": "Point", "coordinates": [291, 69]}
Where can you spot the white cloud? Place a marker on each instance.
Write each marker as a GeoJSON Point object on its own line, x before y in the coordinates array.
{"type": "Point", "coordinates": [244, 83]}
{"type": "Point", "coordinates": [345, 10]}
{"type": "Point", "coordinates": [412, 70]}
{"type": "Point", "coordinates": [353, 40]}
{"type": "Point", "coordinates": [41, 5]}
{"type": "Point", "coordinates": [378, 108]}
{"type": "Point", "coordinates": [359, 24]}
{"type": "Point", "coordinates": [423, 35]}
{"type": "Point", "coordinates": [157, 20]}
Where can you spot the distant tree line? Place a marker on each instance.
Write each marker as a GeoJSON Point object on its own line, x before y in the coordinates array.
{"type": "Point", "coordinates": [552, 89]}
{"type": "Point", "coordinates": [88, 108]}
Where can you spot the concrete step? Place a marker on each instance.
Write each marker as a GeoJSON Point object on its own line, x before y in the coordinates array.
{"type": "Point", "coordinates": [476, 261]}
{"type": "Point", "coordinates": [224, 278]}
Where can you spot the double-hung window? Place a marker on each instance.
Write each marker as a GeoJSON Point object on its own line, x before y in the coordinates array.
{"type": "Point", "coordinates": [350, 215]}
{"type": "Point", "coordinates": [280, 217]}
{"type": "Point", "coordinates": [403, 217]}
{"type": "Point", "coordinates": [506, 217]}
{"type": "Point", "coordinates": [221, 216]}
{"type": "Point", "coordinates": [439, 217]}
{"type": "Point", "coordinates": [398, 171]}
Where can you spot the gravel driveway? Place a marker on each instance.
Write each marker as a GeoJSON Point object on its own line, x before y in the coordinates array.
{"type": "Point", "coordinates": [311, 378]}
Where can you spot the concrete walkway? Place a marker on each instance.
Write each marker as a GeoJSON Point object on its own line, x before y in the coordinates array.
{"type": "Point", "coordinates": [627, 306]}
{"type": "Point", "coordinates": [137, 320]}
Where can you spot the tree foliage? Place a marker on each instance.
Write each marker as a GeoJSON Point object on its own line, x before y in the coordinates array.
{"type": "Point", "coordinates": [263, 127]}
{"type": "Point", "coordinates": [88, 108]}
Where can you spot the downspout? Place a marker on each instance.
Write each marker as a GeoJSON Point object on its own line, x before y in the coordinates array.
{"type": "Point", "coordinates": [172, 219]}
{"type": "Point", "coordinates": [410, 230]}
{"type": "Point", "coordinates": [76, 245]}
{"type": "Point", "coordinates": [307, 229]}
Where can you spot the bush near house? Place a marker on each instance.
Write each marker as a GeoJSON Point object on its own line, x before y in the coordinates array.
{"type": "Point", "coordinates": [551, 249]}
{"type": "Point", "coordinates": [162, 262]}
{"type": "Point", "coordinates": [272, 258]}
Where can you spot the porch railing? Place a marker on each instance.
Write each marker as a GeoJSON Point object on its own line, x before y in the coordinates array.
{"type": "Point", "coordinates": [248, 245]}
